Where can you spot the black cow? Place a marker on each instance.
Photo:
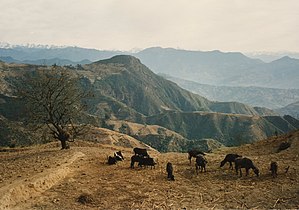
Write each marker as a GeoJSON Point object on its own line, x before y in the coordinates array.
{"type": "Point", "coordinates": [229, 158]}
{"type": "Point", "coordinates": [146, 161]}
{"type": "Point", "coordinates": [112, 160]}
{"type": "Point", "coordinates": [169, 170]}
{"type": "Point", "coordinates": [140, 152]}
{"type": "Point", "coordinates": [201, 162]}
{"type": "Point", "coordinates": [135, 158]}
{"type": "Point", "coordinates": [273, 169]}
{"type": "Point", "coordinates": [119, 156]}
{"type": "Point", "coordinates": [142, 161]}
{"type": "Point", "coordinates": [247, 164]}
{"type": "Point", "coordinates": [194, 153]}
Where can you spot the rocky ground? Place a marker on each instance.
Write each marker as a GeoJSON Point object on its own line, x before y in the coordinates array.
{"type": "Point", "coordinates": [46, 178]}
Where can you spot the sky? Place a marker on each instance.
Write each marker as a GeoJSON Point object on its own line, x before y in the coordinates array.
{"type": "Point", "coordinates": [226, 25]}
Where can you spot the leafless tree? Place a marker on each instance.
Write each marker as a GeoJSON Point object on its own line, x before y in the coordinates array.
{"type": "Point", "coordinates": [53, 97]}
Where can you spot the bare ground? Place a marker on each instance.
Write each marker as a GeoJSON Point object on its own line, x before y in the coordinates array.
{"type": "Point", "coordinates": [46, 178]}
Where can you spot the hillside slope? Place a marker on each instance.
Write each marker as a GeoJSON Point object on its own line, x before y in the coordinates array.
{"type": "Point", "coordinates": [124, 89]}
{"type": "Point", "coordinates": [228, 129]}
{"type": "Point", "coordinates": [161, 138]}
{"type": "Point", "coordinates": [127, 80]}
{"type": "Point", "coordinates": [291, 109]}
{"type": "Point", "coordinates": [139, 88]}
{"type": "Point", "coordinates": [124, 79]}
{"type": "Point", "coordinates": [48, 178]}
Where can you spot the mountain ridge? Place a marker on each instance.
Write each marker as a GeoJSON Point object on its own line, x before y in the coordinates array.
{"type": "Point", "coordinates": [125, 89]}
{"type": "Point", "coordinates": [210, 67]}
{"type": "Point", "coordinates": [272, 98]}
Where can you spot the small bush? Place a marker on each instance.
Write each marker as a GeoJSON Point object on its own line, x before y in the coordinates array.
{"type": "Point", "coordinates": [85, 198]}
{"type": "Point", "coordinates": [283, 146]}
{"type": "Point", "coordinates": [12, 145]}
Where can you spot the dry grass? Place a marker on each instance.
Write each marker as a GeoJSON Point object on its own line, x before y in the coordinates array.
{"type": "Point", "coordinates": [120, 187]}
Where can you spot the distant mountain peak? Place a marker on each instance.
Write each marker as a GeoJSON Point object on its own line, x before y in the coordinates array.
{"type": "Point", "coordinates": [285, 59]}
{"type": "Point", "coordinates": [121, 59]}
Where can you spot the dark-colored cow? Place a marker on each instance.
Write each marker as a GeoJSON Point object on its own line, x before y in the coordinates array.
{"type": "Point", "coordinates": [140, 152]}
{"type": "Point", "coordinates": [142, 161]}
{"type": "Point", "coordinates": [112, 160]}
{"type": "Point", "coordinates": [146, 161]}
{"type": "Point", "coordinates": [273, 169]}
{"type": "Point", "coordinates": [194, 153]}
{"type": "Point", "coordinates": [169, 170]}
{"type": "Point", "coordinates": [247, 164]}
{"type": "Point", "coordinates": [119, 156]}
{"type": "Point", "coordinates": [229, 158]}
{"type": "Point", "coordinates": [135, 158]}
{"type": "Point", "coordinates": [201, 162]}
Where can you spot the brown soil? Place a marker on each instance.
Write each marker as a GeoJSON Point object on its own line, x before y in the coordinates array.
{"type": "Point", "coordinates": [46, 178]}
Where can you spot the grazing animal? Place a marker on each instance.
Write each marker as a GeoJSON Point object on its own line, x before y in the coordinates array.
{"type": "Point", "coordinates": [247, 164]}
{"type": "Point", "coordinates": [135, 158]}
{"type": "Point", "coordinates": [112, 160]}
{"type": "Point", "coordinates": [273, 169]}
{"type": "Point", "coordinates": [118, 156]}
{"type": "Point", "coordinates": [229, 158]}
{"type": "Point", "coordinates": [201, 162]}
{"type": "Point", "coordinates": [140, 152]}
{"type": "Point", "coordinates": [146, 161]}
{"type": "Point", "coordinates": [169, 170]}
{"type": "Point", "coordinates": [194, 153]}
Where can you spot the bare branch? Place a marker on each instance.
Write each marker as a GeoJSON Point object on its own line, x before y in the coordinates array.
{"type": "Point", "coordinates": [52, 97]}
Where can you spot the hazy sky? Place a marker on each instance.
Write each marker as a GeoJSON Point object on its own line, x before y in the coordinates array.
{"type": "Point", "coordinates": [227, 25]}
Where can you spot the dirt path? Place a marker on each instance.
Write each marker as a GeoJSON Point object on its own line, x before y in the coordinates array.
{"type": "Point", "coordinates": [21, 190]}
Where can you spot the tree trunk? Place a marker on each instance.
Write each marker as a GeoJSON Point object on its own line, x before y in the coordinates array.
{"type": "Point", "coordinates": [63, 137]}
{"type": "Point", "coordinates": [64, 144]}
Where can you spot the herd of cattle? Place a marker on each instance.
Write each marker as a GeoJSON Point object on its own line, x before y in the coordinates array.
{"type": "Point", "coordinates": [142, 157]}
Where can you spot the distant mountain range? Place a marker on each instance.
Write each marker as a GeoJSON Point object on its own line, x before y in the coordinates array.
{"type": "Point", "coordinates": [222, 69]}
{"type": "Point", "coordinates": [74, 54]}
{"type": "Point", "coordinates": [291, 109]}
{"type": "Point", "coordinates": [125, 90]}
{"type": "Point", "coordinates": [272, 98]}
{"type": "Point", "coordinates": [48, 62]}
{"type": "Point", "coordinates": [271, 56]}
{"type": "Point", "coordinates": [212, 67]}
